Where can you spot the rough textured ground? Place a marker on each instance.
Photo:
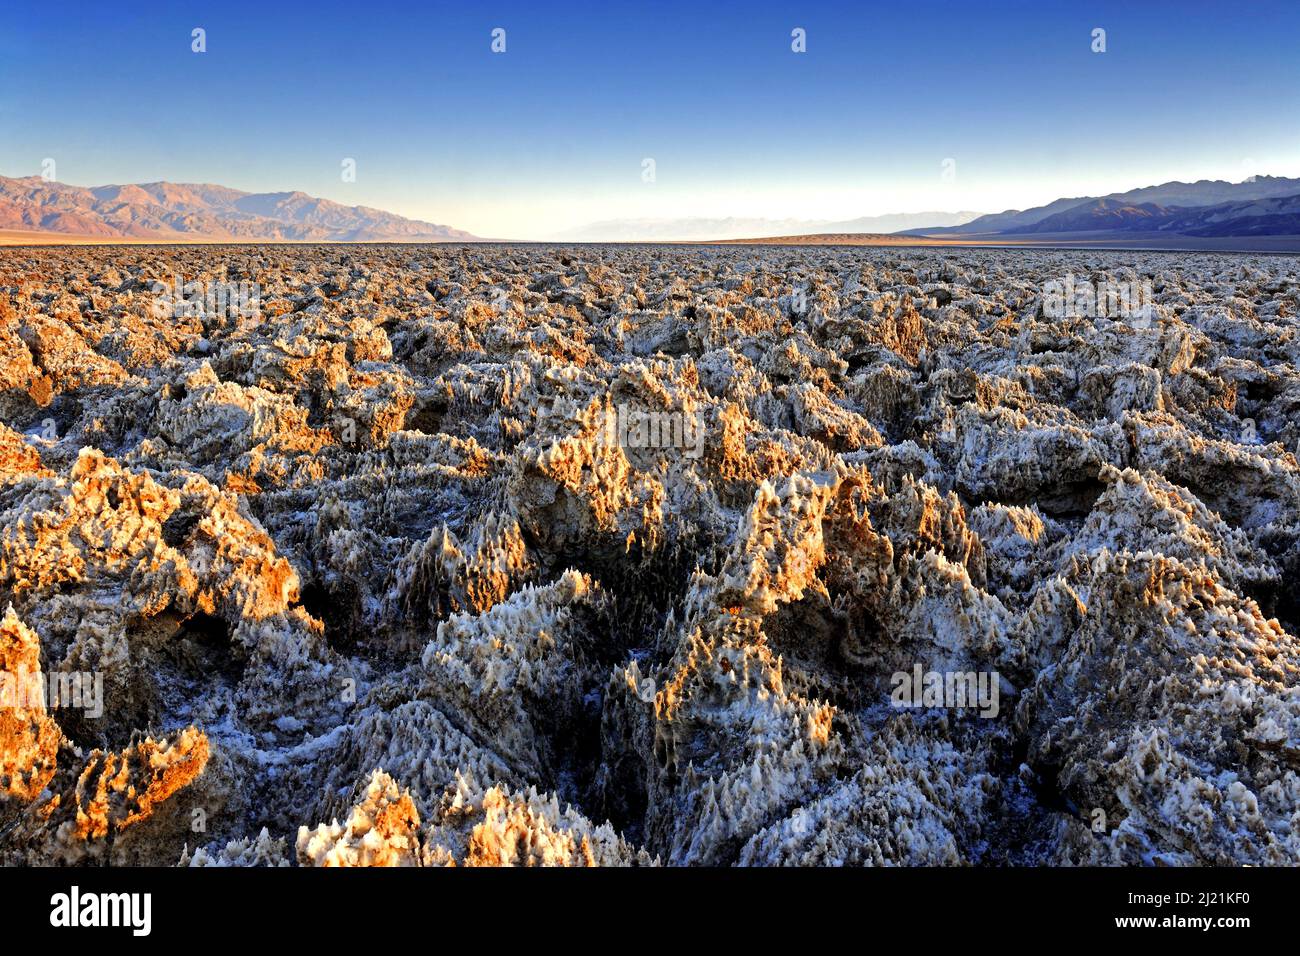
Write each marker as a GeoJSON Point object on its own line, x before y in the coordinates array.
{"type": "Point", "coordinates": [368, 581]}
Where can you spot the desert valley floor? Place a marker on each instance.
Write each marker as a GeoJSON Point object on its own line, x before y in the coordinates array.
{"type": "Point", "coordinates": [615, 555]}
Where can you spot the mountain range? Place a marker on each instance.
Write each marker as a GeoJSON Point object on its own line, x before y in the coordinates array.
{"type": "Point", "coordinates": [703, 229]}
{"type": "Point", "coordinates": [1207, 210]}
{"type": "Point", "coordinates": [188, 212]}
{"type": "Point", "coordinates": [1260, 206]}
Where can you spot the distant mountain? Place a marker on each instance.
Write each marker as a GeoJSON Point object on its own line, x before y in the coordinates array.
{"type": "Point", "coordinates": [1275, 216]}
{"type": "Point", "coordinates": [702, 229]}
{"type": "Point", "coordinates": [1011, 219]}
{"type": "Point", "coordinates": [1204, 192]}
{"type": "Point", "coordinates": [1211, 192]}
{"type": "Point", "coordinates": [897, 222]}
{"type": "Point", "coordinates": [1097, 214]}
{"type": "Point", "coordinates": [186, 212]}
{"type": "Point", "coordinates": [1278, 216]}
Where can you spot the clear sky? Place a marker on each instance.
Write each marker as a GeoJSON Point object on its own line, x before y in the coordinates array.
{"type": "Point", "coordinates": [552, 133]}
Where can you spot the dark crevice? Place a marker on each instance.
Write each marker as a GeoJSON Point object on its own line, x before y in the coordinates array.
{"type": "Point", "coordinates": [338, 612]}
{"type": "Point", "coordinates": [1071, 500]}
{"type": "Point", "coordinates": [426, 418]}
{"type": "Point", "coordinates": [591, 758]}
{"type": "Point", "coordinates": [204, 652]}
{"type": "Point", "coordinates": [176, 529]}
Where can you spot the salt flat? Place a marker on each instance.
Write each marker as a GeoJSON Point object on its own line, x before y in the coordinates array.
{"type": "Point", "coordinates": [650, 554]}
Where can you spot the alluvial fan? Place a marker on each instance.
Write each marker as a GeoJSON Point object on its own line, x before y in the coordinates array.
{"type": "Point", "coordinates": [617, 555]}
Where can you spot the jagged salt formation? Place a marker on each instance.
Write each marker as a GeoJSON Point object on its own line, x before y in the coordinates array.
{"type": "Point", "coordinates": [611, 556]}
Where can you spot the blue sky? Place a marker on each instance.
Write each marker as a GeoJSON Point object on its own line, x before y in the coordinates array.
{"type": "Point", "coordinates": [552, 134]}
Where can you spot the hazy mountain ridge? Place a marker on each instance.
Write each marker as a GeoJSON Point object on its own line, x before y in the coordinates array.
{"type": "Point", "coordinates": [1274, 216]}
{"type": "Point", "coordinates": [1147, 207]}
{"type": "Point", "coordinates": [184, 212]}
{"type": "Point", "coordinates": [188, 211]}
{"type": "Point", "coordinates": [732, 227]}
